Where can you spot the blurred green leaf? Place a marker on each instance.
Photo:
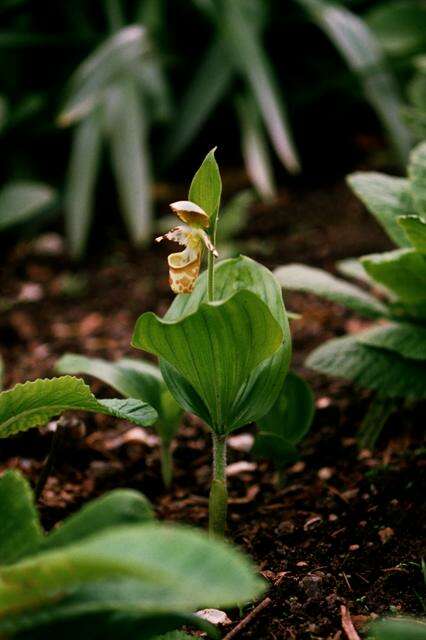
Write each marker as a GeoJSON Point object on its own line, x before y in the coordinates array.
{"type": "Point", "coordinates": [311, 280]}
{"type": "Point", "coordinates": [22, 200]}
{"type": "Point", "coordinates": [80, 185]}
{"type": "Point", "coordinates": [20, 529]}
{"type": "Point", "coordinates": [403, 271]}
{"type": "Point", "coordinates": [234, 216]}
{"type": "Point", "coordinates": [409, 340]}
{"type": "Point", "coordinates": [254, 147]}
{"type": "Point", "coordinates": [386, 198]}
{"type": "Point", "coordinates": [398, 629]}
{"type": "Point", "coordinates": [415, 230]}
{"type": "Point", "coordinates": [400, 26]}
{"type": "Point", "coordinates": [417, 175]}
{"type": "Point", "coordinates": [33, 403]}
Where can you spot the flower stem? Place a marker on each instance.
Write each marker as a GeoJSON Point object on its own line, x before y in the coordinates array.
{"type": "Point", "coordinates": [51, 458]}
{"type": "Point", "coordinates": [166, 463]}
{"type": "Point", "coordinates": [218, 501]}
{"type": "Point", "coordinates": [210, 277]}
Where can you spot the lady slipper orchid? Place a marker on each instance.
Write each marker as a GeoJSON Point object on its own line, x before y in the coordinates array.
{"type": "Point", "coordinates": [184, 266]}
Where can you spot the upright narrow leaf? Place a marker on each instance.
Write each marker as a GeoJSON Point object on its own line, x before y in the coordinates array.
{"type": "Point", "coordinates": [80, 186]}
{"type": "Point", "coordinates": [206, 186]}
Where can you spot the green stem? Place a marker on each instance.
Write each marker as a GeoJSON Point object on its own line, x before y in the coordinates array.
{"type": "Point", "coordinates": [218, 501]}
{"type": "Point", "coordinates": [210, 277]}
{"type": "Point", "coordinates": [166, 463]}
{"type": "Point", "coordinates": [50, 460]}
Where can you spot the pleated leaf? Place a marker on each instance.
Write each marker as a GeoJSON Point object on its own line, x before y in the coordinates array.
{"type": "Point", "coordinates": [403, 271]}
{"type": "Point", "coordinates": [215, 348]}
{"type": "Point", "coordinates": [299, 277]}
{"type": "Point", "coordinates": [383, 371]}
{"type": "Point", "coordinates": [34, 403]}
{"type": "Point", "coordinates": [386, 198]}
{"type": "Point", "coordinates": [409, 340]}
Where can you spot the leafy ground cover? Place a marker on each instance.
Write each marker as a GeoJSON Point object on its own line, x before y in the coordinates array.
{"type": "Point", "coordinates": [343, 528]}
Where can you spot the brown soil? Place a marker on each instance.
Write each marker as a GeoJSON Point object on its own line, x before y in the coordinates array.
{"type": "Point", "coordinates": [343, 527]}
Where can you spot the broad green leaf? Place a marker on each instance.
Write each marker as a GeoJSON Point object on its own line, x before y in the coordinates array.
{"type": "Point", "coordinates": [34, 403]}
{"type": "Point", "coordinates": [208, 84]}
{"type": "Point", "coordinates": [254, 147]}
{"type": "Point", "coordinates": [415, 230]}
{"type": "Point", "coordinates": [388, 373]}
{"type": "Point", "coordinates": [118, 55]}
{"type": "Point", "coordinates": [398, 629]}
{"type": "Point", "coordinates": [417, 175]}
{"type": "Point", "coordinates": [22, 200]}
{"type": "Point", "coordinates": [140, 569]}
{"type": "Point", "coordinates": [215, 348]}
{"type": "Point", "coordinates": [20, 529]}
{"type": "Point", "coordinates": [119, 507]}
{"type": "Point", "coordinates": [264, 384]}
{"type": "Point", "coordinates": [400, 26]}
{"type": "Point", "coordinates": [361, 51]}
{"type": "Point", "coordinates": [126, 128]}
{"type": "Point", "coordinates": [386, 198]}
{"type": "Point", "coordinates": [352, 268]}
{"type": "Point", "coordinates": [311, 280]}
{"type": "Point", "coordinates": [80, 185]}
{"type": "Point", "coordinates": [403, 271]}
{"type": "Point", "coordinates": [206, 187]}
{"type": "Point", "coordinates": [409, 340]}
{"type": "Point", "coordinates": [285, 425]}
{"type": "Point", "coordinates": [133, 379]}
{"type": "Point", "coordinates": [241, 34]}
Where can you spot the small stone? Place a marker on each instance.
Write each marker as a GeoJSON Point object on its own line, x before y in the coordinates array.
{"type": "Point", "coordinates": [386, 534]}
{"type": "Point", "coordinates": [354, 547]}
{"type": "Point", "coordinates": [236, 468]}
{"type": "Point", "coordinates": [242, 442]}
{"type": "Point", "coordinates": [214, 616]}
{"type": "Point", "coordinates": [325, 473]}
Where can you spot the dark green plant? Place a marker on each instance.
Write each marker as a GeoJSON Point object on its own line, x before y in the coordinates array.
{"type": "Point", "coordinates": [398, 629]}
{"type": "Point", "coordinates": [286, 423]}
{"type": "Point", "coordinates": [224, 349]}
{"type": "Point", "coordinates": [390, 357]}
{"type": "Point", "coordinates": [135, 379]}
{"type": "Point", "coordinates": [109, 571]}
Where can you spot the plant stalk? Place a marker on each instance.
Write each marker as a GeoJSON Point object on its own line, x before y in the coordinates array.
{"type": "Point", "coordinates": [166, 463]}
{"type": "Point", "coordinates": [51, 459]}
{"type": "Point", "coordinates": [218, 500]}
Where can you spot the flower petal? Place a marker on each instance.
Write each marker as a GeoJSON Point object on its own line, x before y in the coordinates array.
{"type": "Point", "coordinates": [184, 268]}
{"type": "Point", "coordinates": [209, 245]}
{"type": "Point", "coordinates": [191, 213]}
{"type": "Point", "coordinates": [178, 234]}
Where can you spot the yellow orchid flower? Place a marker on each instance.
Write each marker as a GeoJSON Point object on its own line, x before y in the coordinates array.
{"type": "Point", "coordinates": [184, 266]}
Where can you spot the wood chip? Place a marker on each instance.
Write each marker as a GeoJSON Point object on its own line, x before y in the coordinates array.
{"type": "Point", "coordinates": [242, 466]}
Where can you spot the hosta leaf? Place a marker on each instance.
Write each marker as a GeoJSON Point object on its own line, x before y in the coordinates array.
{"type": "Point", "coordinates": [417, 174]}
{"type": "Point", "coordinates": [263, 385]}
{"type": "Point", "coordinates": [133, 379]}
{"type": "Point", "coordinates": [22, 200]}
{"type": "Point", "coordinates": [415, 230]}
{"type": "Point", "coordinates": [388, 373]}
{"type": "Point", "coordinates": [386, 198]}
{"type": "Point", "coordinates": [311, 280]}
{"type": "Point", "coordinates": [403, 271]}
{"type": "Point", "coordinates": [206, 186]}
{"type": "Point", "coordinates": [20, 529]}
{"type": "Point", "coordinates": [398, 629]}
{"type": "Point", "coordinates": [119, 507]}
{"type": "Point", "coordinates": [215, 348]}
{"type": "Point", "coordinates": [409, 340]}
{"type": "Point", "coordinates": [142, 569]}
{"type": "Point", "coordinates": [285, 425]}
{"type": "Point", "coordinates": [33, 403]}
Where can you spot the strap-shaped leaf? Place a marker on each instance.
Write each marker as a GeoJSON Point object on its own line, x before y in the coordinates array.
{"type": "Point", "coordinates": [388, 373]}
{"type": "Point", "coordinates": [415, 230]}
{"type": "Point", "coordinates": [141, 569]}
{"type": "Point", "coordinates": [20, 529]}
{"type": "Point", "coordinates": [22, 200]}
{"type": "Point", "coordinates": [403, 271]}
{"type": "Point", "coordinates": [215, 348]}
{"type": "Point", "coordinates": [311, 280]}
{"type": "Point", "coordinates": [417, 174]}
{"type": "Point", "coordinates": [386, 198]}
{"type": "Point", "coordinates": [409, 340]}
{"type": "Point", "coordinates": [33, 403]}
{"type": "Point", "coordinates": [263, 386]}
